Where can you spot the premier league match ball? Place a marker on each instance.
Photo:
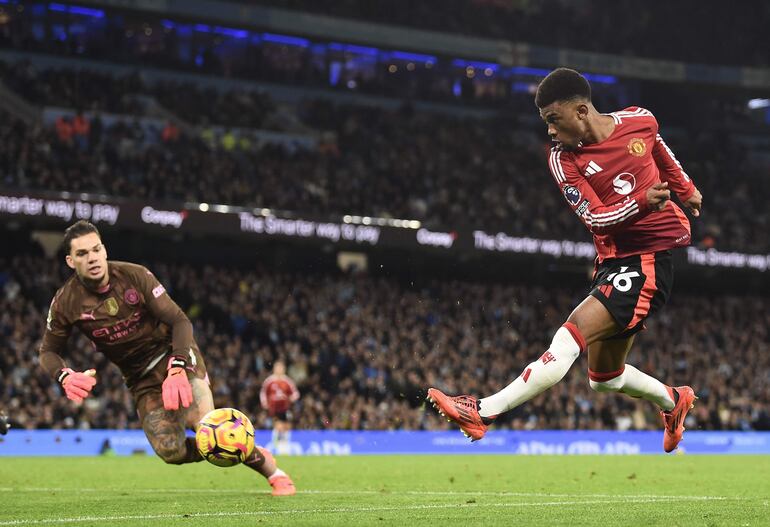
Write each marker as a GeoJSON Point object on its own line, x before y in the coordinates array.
{"type": "Point", "coordinates": [225, 437]}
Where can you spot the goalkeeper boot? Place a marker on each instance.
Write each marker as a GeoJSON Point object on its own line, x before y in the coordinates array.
{"type": "Point", "coordinates": [282, 485]}
{"type": "Point", "coordinates": [673, 421]}
{"type": "Point", "coordinates": [463, 410]}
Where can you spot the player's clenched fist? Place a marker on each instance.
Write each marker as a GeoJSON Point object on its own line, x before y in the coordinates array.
{"type": "Point", "coordinates": [658, 195]}
{"type": "Point", "coordinates": [176, 387]}
{"type": "Point", "coordinates": [694, 202]}
{"type": "Point", "coordinates": [77, 384]}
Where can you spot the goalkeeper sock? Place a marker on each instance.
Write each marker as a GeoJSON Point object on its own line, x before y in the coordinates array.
{"type": "Point", "coordinates": [540, 375]}
{"type": "Point", "coordinates": [262, 461]}
{"type": "Point", "coordinates": [635, 383]}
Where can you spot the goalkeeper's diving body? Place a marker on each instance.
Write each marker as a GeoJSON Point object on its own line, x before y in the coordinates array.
{"type": "Point", "coordinates": [128, 315]}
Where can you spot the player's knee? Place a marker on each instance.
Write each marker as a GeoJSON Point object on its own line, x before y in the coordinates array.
{"type": "Point", "coordinates": [172, 452]}
{"type": "Point", "coordinates": [611, 382]}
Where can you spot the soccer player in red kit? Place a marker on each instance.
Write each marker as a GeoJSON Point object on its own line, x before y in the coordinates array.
{"type": "Point", "coordinates": [278, 393]}
{"type": "Point", "coordinates": [128, 315]}
{"type": "Point", "coordinates": [616, 173]}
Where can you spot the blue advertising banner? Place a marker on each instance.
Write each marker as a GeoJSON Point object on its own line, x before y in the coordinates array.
{"type": "Point", "coordinates": [346, 442]}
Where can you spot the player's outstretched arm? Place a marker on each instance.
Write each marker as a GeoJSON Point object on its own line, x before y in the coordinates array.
{"type": "Point", "coordinates": [176, 390]}
{"type": "Point", "coordinates": [77, 385]}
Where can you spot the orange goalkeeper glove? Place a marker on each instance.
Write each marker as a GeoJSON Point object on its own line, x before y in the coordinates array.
{"type": "Point", "coordinates": [176, 387]}
{"type": "Point", "coordinates": [77, 384]}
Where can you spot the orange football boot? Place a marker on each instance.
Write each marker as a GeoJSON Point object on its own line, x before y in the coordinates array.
{"type": "Point", "coordinates": [462, 410]}
{"type": "Point", "coordinates": [673, 421]}
{"type": "Point", "coordinates": [282, 485]}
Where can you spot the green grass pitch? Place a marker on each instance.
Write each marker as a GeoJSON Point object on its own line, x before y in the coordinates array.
{"type": "Point", "coordinates": [407, 491]}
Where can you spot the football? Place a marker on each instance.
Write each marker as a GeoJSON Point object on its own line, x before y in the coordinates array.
{"type": "Point", "coordinates": [225, 437]}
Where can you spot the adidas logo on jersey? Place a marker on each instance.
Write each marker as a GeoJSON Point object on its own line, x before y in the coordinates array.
{"type": "Point", "coordinates": [592, 169]}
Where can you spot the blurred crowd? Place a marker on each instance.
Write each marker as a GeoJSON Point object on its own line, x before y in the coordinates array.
{"type": "Point", "coordinates": [363, 349]}
{"type": "Point", "coordinates": [90, 90]}
{"type": "Point", "coordinates": [444, 170]}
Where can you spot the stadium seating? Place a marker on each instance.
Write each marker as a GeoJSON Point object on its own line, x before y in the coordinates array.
{"type": "Point", "coordinates": [372, 161]}
{"type": "Point", "coordinates": [363, 349]}
{"type": "Point", "coordinates": [589, 26]}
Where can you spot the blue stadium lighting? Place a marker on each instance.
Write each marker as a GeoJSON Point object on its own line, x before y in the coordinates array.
{"type": "Point", "coordinates": [351, 48]}
{"type": "Point", "coordinates": [230, 32]}
{"type": "Point", "coordinates": [383, 55]}
{"type": "Point", "coordinates": [335, 70]}
{"type": "Point", "coordinates": [413, 57]}
{"type": "Point", "coordinates": [535, 72]}
{"type": "Point", "coordinates": [461, 63]}
{"type": "Point", "coordinates": [77, 10]}
{"type": "Point", "coordinates": [603, 79]}
{"type": "Point", "coordinates": [284, 39]}
{"type": "Point", "coordinates": [457, 88]}
{"type": "Point", "coordinates": [540, 72]}
{"type": "Point", "coordinates": [522, 87]}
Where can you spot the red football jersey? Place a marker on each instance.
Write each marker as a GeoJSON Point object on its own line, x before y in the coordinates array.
{"type": "Point", "coordinates": [606, 185]}
{"type": "Point", "coordinates": [277, 393]}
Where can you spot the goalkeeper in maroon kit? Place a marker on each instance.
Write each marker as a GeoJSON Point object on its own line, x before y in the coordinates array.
{"type": "Point", "coordinates": [617, 174]}
{"type": "Point", "coordinates": [127, 314]}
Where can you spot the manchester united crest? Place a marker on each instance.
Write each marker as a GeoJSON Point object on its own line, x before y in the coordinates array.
{"type": "Point", "coordinates": [112, 306]}
{"type": "Point", "coordinates": [637, 147]}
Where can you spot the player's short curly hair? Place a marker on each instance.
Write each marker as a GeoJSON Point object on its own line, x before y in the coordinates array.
{"type": "Point", "coordinates": [76, 230]}
{"type": "Point", "coordinates": [562, 84]}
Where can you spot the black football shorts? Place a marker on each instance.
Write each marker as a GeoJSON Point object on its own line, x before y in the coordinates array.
{"type": "Point", "coordinates": [633, 288]}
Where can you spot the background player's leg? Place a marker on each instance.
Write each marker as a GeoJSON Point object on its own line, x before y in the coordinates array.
{"type": "Point", "coordinates": [286, 431]}
{"type": "Point", "coordinates": [608, 372]}
{"type": "Point", "coordinates": [589, 322]}
{"type": "Point", "coordinates": [281, 436]}
{"type": "Point", "coordinates": [275, 437]}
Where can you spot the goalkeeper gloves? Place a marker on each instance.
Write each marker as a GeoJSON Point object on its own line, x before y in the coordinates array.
{"type": "Point", "coordinates": [176, 387]}
{"type": "Point", "coordinates": [77, 384]}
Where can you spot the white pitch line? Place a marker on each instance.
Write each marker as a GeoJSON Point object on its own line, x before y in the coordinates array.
{"type": "Point", "coordinates": [338, 510]}
{"type": "Point", "coordinates": [389, 492]}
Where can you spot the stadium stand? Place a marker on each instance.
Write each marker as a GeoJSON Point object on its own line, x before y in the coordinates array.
{"type": "Point", "coordinates": [363, 348]}
{"type": "Point", "coordinates": [589, 26]}
{"type": "Point", "coordinates": [373, 161]}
